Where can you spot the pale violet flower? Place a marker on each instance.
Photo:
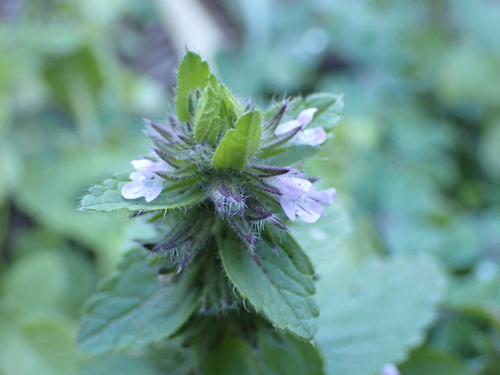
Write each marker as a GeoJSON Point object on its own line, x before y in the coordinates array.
{"type": "Point", "coordinates": [389, 369]}
{"type": "Point", "coordinates": [300, 197]}
{"type": "Point", "coordinates": [145, 182]}
{"type": "Point", "coordinates": [311, 137]}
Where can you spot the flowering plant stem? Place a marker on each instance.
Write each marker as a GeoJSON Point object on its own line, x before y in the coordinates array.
{"type": "Point", "coordinates": [223, 277]}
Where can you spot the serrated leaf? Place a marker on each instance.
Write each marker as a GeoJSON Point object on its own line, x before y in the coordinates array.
{"type": "Point", "coordinates": [208, 124]}
{"type": "Point", "coordinates": [274, 284]}
{"type": "Point", "coordinates": [239, 144]}
{"type": "Point", "coordinates": [132, 308]}
{"type": "Point", "coordinates": [107, 197]}
{"type": "Point", "coordinates": [372, 315]}
{"type": "Point", "coordinates": [193, 73]}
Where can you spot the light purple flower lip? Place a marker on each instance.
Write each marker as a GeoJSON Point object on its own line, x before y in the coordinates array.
{"type": "Point", "coordinates": [145, 182]}
{"type": "Point", "coordinates": [301, 198]}
{"type": "Point", "coordinates": [311, 137]}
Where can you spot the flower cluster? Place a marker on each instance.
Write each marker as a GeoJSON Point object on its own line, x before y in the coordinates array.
{"type": "Point", "coordinates": [239, 160]}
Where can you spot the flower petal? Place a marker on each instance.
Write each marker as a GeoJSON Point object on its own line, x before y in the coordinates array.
{"type": "Point", "coordinates": [154, 189]}
{"type": "Point", "coordinates": [311, 137]}
{"type": "Point", "coordinates": [326, 197]}
{"type": "Point", "coordinates": [287, 126]}
{"type": "Point", "coordinates": [288, 207]}
{"type": "Point", "coordinates": [309, 210]}
{"type": "Point", "coordinates": [302, 120]}
{"type": "Point", "coordinates": [306, 116]}
{"type": "Point", "coordinates": [292, 187]}
{"type": "Point", "coordinates": [146, 167]}
{"type": "Point", "coordinates": [132, 190]}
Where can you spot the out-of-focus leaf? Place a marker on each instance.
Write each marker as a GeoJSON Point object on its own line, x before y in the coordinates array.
{"type": "Point", "coordinates": [80, 65]}
{"type": "Point", "coordinates": [466, 75]}
{"type": "Point", "coordinates": [133, 308]}
{"type": "Point", "coordinates": [42, 345]}
{"type": "Point", "coordinates": [328, 108]}
{"type": "Point", "coordinates": [489, 150]}
{"type": "Point", "coordinates": [320, 241]}
{"type": "Point", "coordinates": [374, 314]}
{"type": "Point", "coordinates": [119, 364]}
{"type": "Point", "coordinates": [478, 290]}
{"type": "Point", "coordinates": [49, 281]}
{"type": "Point", "coordinates": [432, 362]}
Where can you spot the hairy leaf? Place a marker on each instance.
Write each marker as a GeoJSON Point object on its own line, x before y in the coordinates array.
{"type": "Point", "coordinates": [239, 144]}
{"type": "Point", "coordinates": [275, 284]}
{"type": "Point", "coordinates": [208, 124]}
{"type": "Point", "coordinates": [193, 74]}
{"type": "Point", "coordinates": [133, 308]}
{"type": "Point", "coordinates": [107, 197]}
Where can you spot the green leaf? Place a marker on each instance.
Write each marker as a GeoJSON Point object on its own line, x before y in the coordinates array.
{"type": "Point", "coordinates": [49, 281]}
{"type": "Point", "coordinates": [193, 74]}
{"type": "Point", "coordinates": [274, 353]}
{"type": "Point", "coordinates": [285, 354]}
{"type": "Point", "coordinates": [239, 144]}
{"type": "Point", "coordinates": [107, 197]}
{"type": "Point", "coordinates": [119, 364]}
{"type": "Point", "coordinates": [232, 355]}
{"type": "Point", "coordinates": [291, 155]}
{"type": "Point", "coordinates": [328, 107]}
{"type": "Point", "coordinates": [42, 344]}
{"type": "Point", "coordinates": [371, 315]}
{"type": "Point", "coordinates": [82, 62]}
{"type": "Point", "coordinates": [275, 284]}
{"type": "Point", "coordinates": [321, 240]}
{"type": "Point", "coordinates": [133, 308]}
{"type": "Point", "coordinates": [433, 362]}
{"type": "Point", "coordinates": [208, 124]}
{"type": "Point", "coordinates": [231, 101]}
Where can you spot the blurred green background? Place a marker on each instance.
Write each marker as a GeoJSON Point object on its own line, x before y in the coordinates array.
{"type": "Point", "coordinates": [416, 159]}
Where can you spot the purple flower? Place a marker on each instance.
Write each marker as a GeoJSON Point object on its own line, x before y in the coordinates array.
{"type": "Point", "coordinates": [311, 137]}
{"type": "Point", "coordinates": [145, 182]}
{"type": "Point", "coordinates": [300, 197]}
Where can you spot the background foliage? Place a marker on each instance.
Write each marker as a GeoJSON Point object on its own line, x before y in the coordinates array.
{"type": "Point", "coordinates": [416, 161]}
